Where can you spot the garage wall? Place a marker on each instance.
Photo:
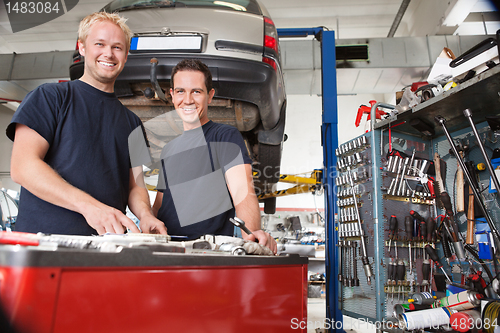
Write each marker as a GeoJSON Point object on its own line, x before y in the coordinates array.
{"type": "Point", "coordinates": [302, 152]}
{"type": "Point", "coordinates": [5, 150]}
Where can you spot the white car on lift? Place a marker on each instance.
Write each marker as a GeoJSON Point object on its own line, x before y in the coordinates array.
{"type": "Point", "coordinates": [238, 41]}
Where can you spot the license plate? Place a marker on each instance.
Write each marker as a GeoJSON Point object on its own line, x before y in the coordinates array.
{"type": "Point", "coordinates": [167, 43]}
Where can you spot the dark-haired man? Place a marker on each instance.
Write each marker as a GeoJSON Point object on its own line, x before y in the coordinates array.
{"type": "Point", "coordinates": [206, 171]}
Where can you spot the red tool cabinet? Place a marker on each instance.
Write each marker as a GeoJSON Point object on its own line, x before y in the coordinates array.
{"type": "Point", "coordinates": [137, 290]}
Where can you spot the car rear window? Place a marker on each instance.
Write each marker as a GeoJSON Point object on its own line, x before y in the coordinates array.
{"type": "Point", "coordinates": [249, 6]}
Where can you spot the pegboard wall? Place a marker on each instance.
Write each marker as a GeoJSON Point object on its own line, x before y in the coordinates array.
{"type": "Point", "coordinates": [403, 198]}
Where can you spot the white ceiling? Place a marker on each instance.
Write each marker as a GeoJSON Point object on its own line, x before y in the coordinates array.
{"type": "Point", "coordinates": [351, 19]}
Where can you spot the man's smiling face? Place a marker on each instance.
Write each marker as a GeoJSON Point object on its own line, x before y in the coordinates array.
{"type": "Point", "coordinates": [105, 52]}
{"type": "Point", "coordinates": [191, 98]}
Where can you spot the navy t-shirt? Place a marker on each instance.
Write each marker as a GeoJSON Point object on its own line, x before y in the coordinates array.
{"type": "Point", "coordinates": [196, 200]}
{"type": "Point", "coordinates": [87, 131]}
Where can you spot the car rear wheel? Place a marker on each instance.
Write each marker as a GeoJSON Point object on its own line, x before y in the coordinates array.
{"type": "Point", "coordinates": [269, 164]}
{"type": "Point", "coordinates": [269, 173]}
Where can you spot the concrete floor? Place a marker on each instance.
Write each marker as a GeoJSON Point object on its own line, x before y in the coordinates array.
{"type": "Point", "coordinates": [316, 319]}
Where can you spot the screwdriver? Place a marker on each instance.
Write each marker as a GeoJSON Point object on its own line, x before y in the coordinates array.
{"type": "Point", "coordinates": [431, 230]}
{"type": "Point", "coordinates": [445, 199]}
{"type": "Point", "coordinates": [400, 274]}
{"type": "Point", "coordinates": [423, 230]}
{"type": "Point", "coordinates": [432, 253]}
{"type": "Point", "coordinates": [393, 277]}
{"type": "Point", "coordinates": [417, 220]}
{"type": "Point", "coordinates": [446, 247]}
{"type": "Point", "coordinates": [423, 236]}
{"type": "Point", "coordinates": [390, 272]}
{"type": "Point", "coordinates": [408, 230]}
{"type": "Point", "coordinates": [393, 226]}
{"type": "Point", "coordinates": [416, 215]}
{"type": "Point", "coordinates": [426, 270]}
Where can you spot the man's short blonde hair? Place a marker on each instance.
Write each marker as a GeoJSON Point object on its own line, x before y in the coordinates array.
{"type": "Point", "coordinates": [90, 20]}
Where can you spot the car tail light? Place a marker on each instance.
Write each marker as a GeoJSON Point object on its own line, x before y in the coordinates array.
{"type": "Point", "coordinates": [270, 42]}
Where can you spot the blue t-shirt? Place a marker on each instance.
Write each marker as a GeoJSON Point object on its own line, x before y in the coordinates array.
{"type": "Point", "coordinates": [196, 200]}
{"type": "Point", "coordinates": [87, 131]}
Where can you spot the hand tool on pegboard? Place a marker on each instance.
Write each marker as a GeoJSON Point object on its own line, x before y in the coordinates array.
{"type": "Point", "coordinates": [342, 261]}
{"type": "Point", "coordinates": [469, 236]}
{"type": "Point", "coordinates": [341, 276]}
{"type": "Point", "coordinates": [459, 196]}
{"type": "Point", "coordinates": [433, 255]}
{"type": "Point", "coordinates": [446, 203]}
{"type": "Point", "coordinates": [392, 270]}
{"type": "Point", "coordinates": [400, 276]}
{"type": "Point", "coordinates": [419, 228]}
{"type": "Point", "coordinates": [426, 270]}
{"type": "Point", "coordinates": [439, 186]}
{"type": "Point", "coordinates": [471, 210]}
{"type": "Point", "coordinates": [393, 226]}
{"type": "Point", "coordinates": [364, 258]}
{"type": "Point", "coordinates": [355, 264]}
{"type": "Point", "coordinates": [457, 244]}
{"type": "Point", "coordinates": [409, 237]}
{"type": "Point", "coordinates": [431, 230]}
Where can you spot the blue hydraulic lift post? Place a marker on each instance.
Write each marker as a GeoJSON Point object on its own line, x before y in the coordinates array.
{"type": "Point", "coordinates": [329, 136]}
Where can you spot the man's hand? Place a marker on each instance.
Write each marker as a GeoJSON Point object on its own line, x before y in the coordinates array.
{"type": "Point", "coordinates": [264, 239]}
{"type": "Point", "coordinates": [105, 219]}
{"type": "Point", "coordinates": [151, 225]}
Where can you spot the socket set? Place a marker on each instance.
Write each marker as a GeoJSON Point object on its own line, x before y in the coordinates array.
{"type": "Point", "coordinates": [410, 179]}
{"type": "Point", "coordinates": [359, 176]}
{"type": "Point", "coordinates": [352, 147]}
{"type": "Point", "coordinates": [354, 171]}
{"type": "Point", "coordinates": [349, 230]}
{"type": "Point", "coordinates": [348, 214]}
{"type": "Point", "coordinates": [351, 161]}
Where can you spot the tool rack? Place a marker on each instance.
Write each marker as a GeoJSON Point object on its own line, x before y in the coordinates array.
{"type": "Point", "coordinates": [378, 198]}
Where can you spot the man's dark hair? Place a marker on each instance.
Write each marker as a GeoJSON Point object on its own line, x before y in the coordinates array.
{"type": "Point", "coordinates": [193, 65]}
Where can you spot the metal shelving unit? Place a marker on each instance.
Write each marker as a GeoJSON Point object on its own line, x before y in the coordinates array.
{"type": "Point", "coordinates": [481, 95]}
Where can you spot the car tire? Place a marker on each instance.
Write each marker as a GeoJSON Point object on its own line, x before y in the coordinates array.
{"type": "Point", "coordinates": [269, 157]}
{"type": "Point", "coordinates": [269, 205]}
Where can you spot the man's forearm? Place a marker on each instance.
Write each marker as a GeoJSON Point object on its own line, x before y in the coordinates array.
{"type": "Point", "coordinates": [248, 210]}
{"type": "Point", "coordinates": [240, 184]}
{"type": "Point", "coordinates": [138, 202]}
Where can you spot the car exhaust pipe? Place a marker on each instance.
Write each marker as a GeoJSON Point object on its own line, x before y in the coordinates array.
{"type": "Point", "coordinates": [154, 81]}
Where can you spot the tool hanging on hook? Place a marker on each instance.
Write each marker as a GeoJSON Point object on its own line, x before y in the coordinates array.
{"type": "Point", "coordinates": [364, 258]}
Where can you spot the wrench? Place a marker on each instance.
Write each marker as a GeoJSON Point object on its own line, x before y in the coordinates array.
{"type": "Point", "coordinates": [240, 224]}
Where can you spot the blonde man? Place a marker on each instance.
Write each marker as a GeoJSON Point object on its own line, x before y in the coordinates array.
{"type": "Point", "coordinates": [70, 152]}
